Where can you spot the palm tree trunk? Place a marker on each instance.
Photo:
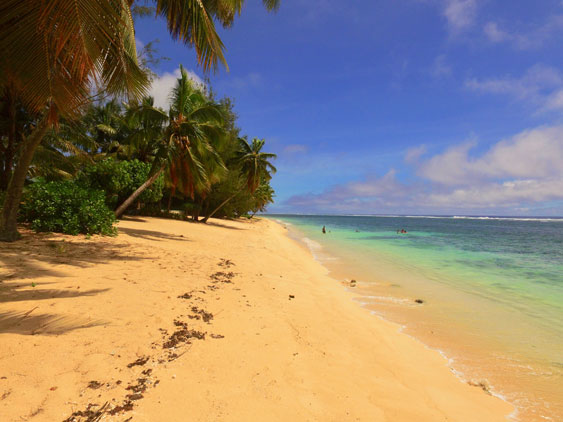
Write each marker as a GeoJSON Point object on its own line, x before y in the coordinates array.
{"type": "Point", "coordinates": [198, 209]}
{"type": "Point", "coordinates": [121, 209]}
{"type": "Point", "coordinates": [221, 206]}
{"type": "Point", "coordinates": [9, 216]}
{"type": "Point", "coordinates": [169, 203]}
{"type": "Point", "coordinates": [172, 192]}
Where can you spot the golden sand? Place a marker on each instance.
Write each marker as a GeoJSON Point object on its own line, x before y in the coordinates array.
{"type": "Point", "coordinates": [90, 324]}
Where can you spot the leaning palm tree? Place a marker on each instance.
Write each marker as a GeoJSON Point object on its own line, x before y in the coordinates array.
{"type": "Point", "coordinates": [55, 53]}
{"type": "Point", "coordinates": [255, 167]}
{"type": "Point", "coordinates": [186, 149]}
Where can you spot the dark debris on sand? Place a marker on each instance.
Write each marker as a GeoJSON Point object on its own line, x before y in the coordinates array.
{"type": "Point", "coordinates": [217, 336]}
{"type": "Point", "coordinates": [139, 362]}
{"type": "Point", "coordinates": [140, 387]}
{"type": "Point", "coordinates": [227, 263]}
{"type": "Point", "coordinates": [127, 406]}
{"type": "Point", "coordinates": [222, 277]}
{"type": "Point", "coordinates": [88, 415]}
{"type": "Point", "coordinates": [200, 313]}
{"type": "Point", "coordinates": [94, 385]}
{"type": "Point", "coordinates": [183, 335]}
{"type": "Point", "coordinates": [135, 396]}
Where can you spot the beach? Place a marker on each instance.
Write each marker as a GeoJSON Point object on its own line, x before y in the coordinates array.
{"type": "Point", "coordinates": [229, 321]}
{"type": "Point", "coordinates": [490, 289]}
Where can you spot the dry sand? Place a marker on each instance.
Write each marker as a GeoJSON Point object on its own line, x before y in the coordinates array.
{"type": "Point", "coordinates": [285, 343]}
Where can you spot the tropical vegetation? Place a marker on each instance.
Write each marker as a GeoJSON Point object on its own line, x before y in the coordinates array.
{"type": "Point", "coordinates": [74, 108]}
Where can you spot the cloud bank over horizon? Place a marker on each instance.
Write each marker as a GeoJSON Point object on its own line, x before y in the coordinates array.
{"type": "Point", "coordinates": [412, 107]}
{"type": "Point", "coordinates": [522, 175]}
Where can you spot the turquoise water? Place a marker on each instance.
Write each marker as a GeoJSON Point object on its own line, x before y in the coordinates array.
{"type": "Point", "coordinates": [501, 279]}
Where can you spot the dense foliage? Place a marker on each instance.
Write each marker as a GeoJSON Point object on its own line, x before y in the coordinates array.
{"type": "Point", "coordinates": [119, 179]}
{"type": "Point", "coordinates": [58, 57]}
{"type": "Point", "coordinates": [189, 162]}
{"type": "Point", "coordinates": [67, 207]}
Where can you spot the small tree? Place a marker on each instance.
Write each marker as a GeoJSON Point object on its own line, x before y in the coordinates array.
{"type": "Point", "coordinates": [186, 144]}
{"type": "Point", "coordinates": [255, 166]}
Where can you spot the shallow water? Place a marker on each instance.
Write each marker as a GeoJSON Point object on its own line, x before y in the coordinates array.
{"type": "Point", "coordinates": [492, 291]}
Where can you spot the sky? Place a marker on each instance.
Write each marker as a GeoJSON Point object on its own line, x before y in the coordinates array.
{"type": "Point", "coordinates": [428, 107]}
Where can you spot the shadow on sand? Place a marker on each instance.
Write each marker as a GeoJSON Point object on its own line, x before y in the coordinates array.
{"type": "Point", "coordinates": [26, 323]}
{"type": "Point", "coordinates": [223, 226]}
{"type": "Point", "coordinates": [23, 265]}
{"type": "Point", "coordinates": [152, 234]}
{"type": "Point", "coordinates": [26, 258]}
{"type": "Point", "coordinates": [18, 292]}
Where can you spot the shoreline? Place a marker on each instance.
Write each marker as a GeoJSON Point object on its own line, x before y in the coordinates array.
{"type": "Point", "coordinates": [464, 354]}
{"type": "Point", "coordinates": [401, 327]}
{"type": "Point", "coordinates": [283, 341]}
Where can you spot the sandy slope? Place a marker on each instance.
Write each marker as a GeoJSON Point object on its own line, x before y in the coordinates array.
{"type": "Point", "coordinates": [100, 304]}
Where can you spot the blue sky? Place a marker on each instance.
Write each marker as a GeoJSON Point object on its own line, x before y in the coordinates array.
{"type": "Point", "coordinates": [397, 106]}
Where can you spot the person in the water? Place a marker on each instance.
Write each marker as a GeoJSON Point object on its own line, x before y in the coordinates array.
{"type": "Point", "coordinates": [324, 230]}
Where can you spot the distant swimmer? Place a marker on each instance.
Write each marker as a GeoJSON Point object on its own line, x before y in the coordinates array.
{"type": "Point", "coordinates": [324, 230]}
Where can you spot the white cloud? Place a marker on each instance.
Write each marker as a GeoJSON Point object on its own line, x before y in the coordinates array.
{"type": "Point", "coordinates": [355, 196]}
{"type": "Point", "coordinates": [516, 175]}
{"type": "Point", "coordinates": [537, 86]}
{"type": "Point", "coordinates": [161, 87]}
{"type": "Point", "coordinates": [440, 67]}
{"type": "Point", "coordinates": [413, 154]}
{"type": "Point", "coordinates": [535, 153]}
{"type": "Point", "coordinates": [295, 149]}
{"type": "Point", "coordinates": [460, 14]}
{"type": "Point", "coordinates": [509, 194]}
{"type": "Point", "coordinates": [373, 187]}
{"type": "Point", "coordinates": [527, 39]}
{"type": "Point", "coordinates": [494, 33]}
{"type": "Point", "coordinates": [554, 101]}
{"type": "Point", "coordinates": [449, 168]}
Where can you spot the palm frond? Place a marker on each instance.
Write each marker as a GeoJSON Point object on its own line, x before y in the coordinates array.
{"type": "Point", "coordinates": [54, 52]}
{"type": "Point", "coordinates": [192, 22]}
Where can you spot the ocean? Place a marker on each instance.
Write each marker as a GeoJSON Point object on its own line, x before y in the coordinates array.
{"type": "Point", "coordinates": [491, 290]}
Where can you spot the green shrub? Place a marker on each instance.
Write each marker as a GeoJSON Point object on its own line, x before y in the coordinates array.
{"type": "Point", "coordinates": [108, 176]}
{"type": "Point", "coordinates": [139, 173]}
{"type": "Point", "coordinates": [119, 179]}
{"type": "Point", "coordinates": [66, 207]}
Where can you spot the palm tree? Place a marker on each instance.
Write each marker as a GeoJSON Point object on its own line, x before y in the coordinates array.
{"type": "Point", "coordinates": [103, 124]}
{"type": "Point", "coordinates": [255, 166]}
{"type": "Point", "coordinates": [143, 125]}
{"type": "Point", "coordinates": [263, 196]}
{"type": "Point", "coordinates": [194, 124]}
{"type": "Point", "coordinates": [54, 53]}
{"type": "Point", "coordinates": [15, 125]}
{"type": "Point", "coordinates": [192, 21]}
{"type": "Point", "coordinates": [61, 154]}
{"type": "Point", "coordinates": [51, 54]}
